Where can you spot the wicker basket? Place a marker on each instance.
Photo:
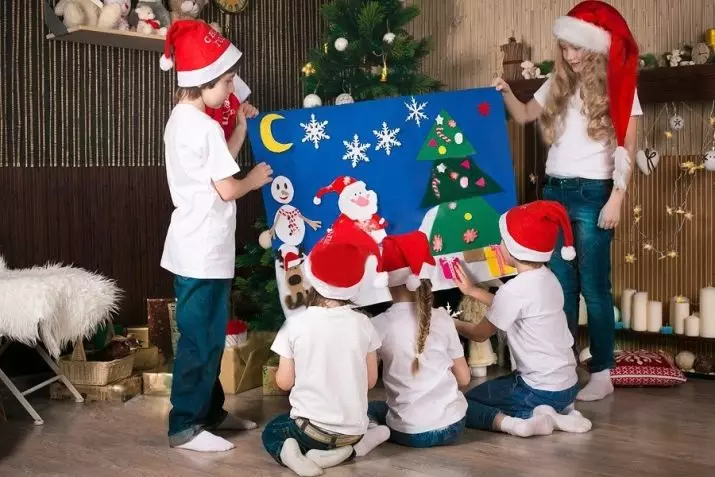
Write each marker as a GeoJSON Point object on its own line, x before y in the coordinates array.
{"type": "Point", "coordinates": [94, 373]}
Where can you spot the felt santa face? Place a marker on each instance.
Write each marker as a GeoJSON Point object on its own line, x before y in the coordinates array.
{"type": "Point", "coordinates": [356, 202]}
{"type": "Point", "coordinates": [282, 190]}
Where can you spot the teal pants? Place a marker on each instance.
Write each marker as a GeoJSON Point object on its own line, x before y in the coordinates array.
{"type": "Point", "coordinates": [202, 313]}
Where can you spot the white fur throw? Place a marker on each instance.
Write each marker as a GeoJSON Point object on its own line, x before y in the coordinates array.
{"type": "Point", "coordinates": [54, 303]}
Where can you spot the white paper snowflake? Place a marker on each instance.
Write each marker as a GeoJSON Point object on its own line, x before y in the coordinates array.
{"type": "Point", "coordinates": [314, 131]}
{"type": "Point", "coordinates": [386, 138]}
{"type": "Point", "coordinates": [355, 151]}
{"type": "Point", "coordinates": [415, 111]}
{"type": "Point", "coordinates": [453, 314]}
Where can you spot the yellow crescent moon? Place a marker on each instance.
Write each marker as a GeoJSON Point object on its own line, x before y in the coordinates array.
{"type": "Point", "coordinates": [267, 135]}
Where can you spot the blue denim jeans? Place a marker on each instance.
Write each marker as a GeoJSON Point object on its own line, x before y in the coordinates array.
{"type": "Point", "coordinates": [510, 395]}
{"type": "Point", "coordinates": [377, 411]}
{"type": "Point", "coordinates": [202, 313]}
{"type": "Point", "coordinates": [283, 428]}
{"type": "Point", "coordinates": [590, 273]}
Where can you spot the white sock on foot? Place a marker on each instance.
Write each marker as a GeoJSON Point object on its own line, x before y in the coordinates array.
{"type": "Point", "coordinates": [534, 426]}
{"type": "Point", "coordinates": [571, 422]}
{"type": "Point", "coordinates": [207, 442]}
{"type": "Point", "coordinates": [373, 437]}
{"type": "Point", "coordinates": [293, 458]}
{"type": "Point", "coordinates": [330, 458]}
{"type": "Point", "coordinates": [235, 423]}
{"type": "Point", "coordinates": [598, 387]}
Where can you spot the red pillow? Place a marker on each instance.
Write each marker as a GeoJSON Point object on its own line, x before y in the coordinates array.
{"type": "Point", "coordinates": [645, 368]}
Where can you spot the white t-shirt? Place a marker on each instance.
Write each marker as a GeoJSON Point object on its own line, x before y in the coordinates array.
{"type": "Point", "coordinates": [430, 399]}
{"type": "Point", "coordinates": [329, 347]}
{"type": "Point", "coordinates": [574, 153]}
{"type": "Point", "coordinates": [530, 309]}
{"type": "Point", "coordinates": [201, 241]}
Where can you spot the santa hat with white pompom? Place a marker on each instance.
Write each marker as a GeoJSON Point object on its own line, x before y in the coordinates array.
{"type": "Point", "coordinates": [530, 231]}
{"type": "Point", "coordinates": [200, 53]}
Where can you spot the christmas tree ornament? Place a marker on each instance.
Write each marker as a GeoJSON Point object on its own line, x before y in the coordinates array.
{"type": "Point", "coordinates": [344, 98]}
{"type": "Point", "coordinates": [341, 44]}
{"type": "Point", "coordinates": [676, 122]}
{"type": "Point", "coordinates": [312, 101]}
{"type": "Point", "coordinates": [308, 69]}
{"type": "Point", "coordinates": [383, 73]}
{"type": "Point", "coordinates": [265, 240]}
{"type": "Point", "coordinates": [325, 47]}
{"type": "Point", "coordinates": [668, 134]}
{"type": "Point", "coordinates": [710, 161]}
{"type": "Point", "coordinates": [389, 38]}
{"type": "Point", "coordinates": [647, 160]}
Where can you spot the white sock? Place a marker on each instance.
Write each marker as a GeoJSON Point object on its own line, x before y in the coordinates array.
{"type": "Point", "coordinates": [207, 442]}
{"type": "Point", "coordinates": [235, 423]}
{"type": "Point", "coordinates": [293, 458]}
{"type": "Point", "coordinates": [598, 387]}
{"type": "Point", "coordinates": [374, 436]}
{"type": "Point", "coordinates": [534, 426]}
{"type": "Point", "coordinates": [571, 422]}
{"type": "Point", "coordinates": [330, 458]}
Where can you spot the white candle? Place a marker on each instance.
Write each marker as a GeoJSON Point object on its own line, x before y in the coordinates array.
{"type": "Point", "coordinates": [707, 312]}
{"type": "Point", "coordinates": [692, 326]}
{"type": "Point", "coordinates": [655, 316]}
{"type": "Point", "coordinates": [680, 310]}
{"type": "Point", "coordinates": [639, 318]}
{"type": "Point", "coordinates": [627, 306]}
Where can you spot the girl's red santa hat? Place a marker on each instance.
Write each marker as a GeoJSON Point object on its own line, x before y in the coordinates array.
{"type": "Point", "coordinates": [407, 259]}
{"type": "Point", "coordinates": [598, 27]}
{"type": "Point", "coordinates": [342, 184]}
{"type": "Point", "coordinates": [341, 261]}
{"type": "Point", "coordinates": [530, 231]}
{"type": "Point", "coordinates": [200, 55]}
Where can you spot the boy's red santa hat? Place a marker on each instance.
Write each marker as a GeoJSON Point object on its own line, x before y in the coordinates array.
{"type": "Point", "coordinates": [339, 263]}
{"type": "Point", "coordinates": [200, 55]}
{"type": "Point", "coordinates": [530, 231]}
{"type": "Point", "coordinates": [598, 27]}
{"type": "Point", "coordinates": [407, 251]}
{"type": "Point", "coordinates": [342, 184]}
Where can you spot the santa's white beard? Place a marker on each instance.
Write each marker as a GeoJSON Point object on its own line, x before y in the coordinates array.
{"type": "Point", "coordinates": [356, 212]}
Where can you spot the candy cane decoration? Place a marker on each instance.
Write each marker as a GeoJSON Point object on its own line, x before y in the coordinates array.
{"type": "Point", "coordinates": [435, 187]}
{"type": "Point", "coordinates": [441, 135]}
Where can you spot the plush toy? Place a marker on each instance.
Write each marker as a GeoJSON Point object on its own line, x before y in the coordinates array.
{"type": "Point", "coordinates": [114, 14]}
{"type": "Point", "coordinates": [674, 57]}
{"type": "Point", "coordinates": [76, 13]}
{"type": "Point", "coordinates": [529, 70]}
{"type": "Point", "coordinates": [147, 23]}
{"type": "Point", "coordinates": [161, 14]}
{"type": "Point", "coordinates": [189, 10]}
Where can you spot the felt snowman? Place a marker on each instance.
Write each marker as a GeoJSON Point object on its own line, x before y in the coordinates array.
{"type": "Point", "coordinates": [288, 223]}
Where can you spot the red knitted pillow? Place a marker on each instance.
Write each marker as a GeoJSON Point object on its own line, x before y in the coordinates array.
{"type": "Point", "coordinates": [645, 368]}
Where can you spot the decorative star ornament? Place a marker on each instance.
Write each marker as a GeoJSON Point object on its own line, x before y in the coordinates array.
{"type": "Point", "coordinates": [439, 119]}
{"type": "Point", "coordinates": [441, 168]}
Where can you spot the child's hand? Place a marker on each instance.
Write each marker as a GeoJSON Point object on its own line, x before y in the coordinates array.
{"type": "Point", "coordinates": [248, 110]}
{"type": "Point", "coordinates": [259, 176]}
{"type": "Point", "coordinates": [501, 85]}
{"type": "Point", "coordinates": [241, 120]}
{"type": "Point", "coordinates": [610, 214]}
{"type": "Point", "coordinates": [462, 279]}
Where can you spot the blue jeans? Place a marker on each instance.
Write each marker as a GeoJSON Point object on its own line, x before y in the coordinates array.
{"type": "Point", "coordinates": [590, 273]}
{"type": "Point", "coordinates": [202, 313]}
{"type": "Point", "coordinates": [377, 411]}
{"type": "Point", "coordinates": [283, 428]}
{"type": "Point", "coordinates": [510, 395]}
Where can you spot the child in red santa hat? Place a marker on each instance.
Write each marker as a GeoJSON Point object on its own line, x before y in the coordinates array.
{"type": "Point", "coordinates": [423, 359]}
{"type": "Point", "coordinates": [328, 361]}
{"type": "Point", "coordinates": [200, 242]}
{"type": "Point", "coordinates": [587, 112]}
{"type": "Point", "coordinates": [539, 396]}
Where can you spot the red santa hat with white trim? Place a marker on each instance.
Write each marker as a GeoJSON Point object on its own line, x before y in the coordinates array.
{"type": "Point", "coordinates": [339, 185]}
{"type": "Point", "coordinates": [200, 53]}
{"type": "Point", "coordinates": [597, 26]}
{"type": "Point", "coordinates": [407, 259]}
{"type": "Point", "coordinates": [530, 231]}
{"type": "Point", "coordinates": [340, 262]}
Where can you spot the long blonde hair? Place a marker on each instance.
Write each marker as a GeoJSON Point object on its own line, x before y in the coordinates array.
{"type": "Point", "coordinates": [423, 303]}
{"type": "Point", "coordinates": [593, 90]}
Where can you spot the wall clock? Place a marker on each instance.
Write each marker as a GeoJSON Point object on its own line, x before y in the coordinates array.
{"type": "Point", "coordinates": [231, 6]}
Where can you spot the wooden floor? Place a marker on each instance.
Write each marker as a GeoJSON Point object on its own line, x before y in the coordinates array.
{"type": "Point", "coordinates": [638, 432]}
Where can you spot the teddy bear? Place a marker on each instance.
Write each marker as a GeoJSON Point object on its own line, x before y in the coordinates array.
{"type": "Point", "coordinates": [76, 13]}
{"type": "Point", "coordinates": [161, 14]}
{"type": "Point", "coordinates": [114, 14]}
{"type": "Point", "coordinates": [529, 70]}
{"type": "Point", "coordinates": [189, 10]}
{"type": "Point", "coordinates": [147, 24]}
{"type": "Point", "coordinates": [674, 57]}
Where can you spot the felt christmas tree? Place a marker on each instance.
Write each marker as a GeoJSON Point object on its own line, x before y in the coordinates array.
{"type": "Point", "coordinates": [464, 219]}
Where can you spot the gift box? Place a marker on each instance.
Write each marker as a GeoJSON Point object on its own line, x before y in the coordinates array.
{"type": "Point", "coordinates": [270, 388]}
{"type": "Point", "coordinates": [119, 391]}
{"type": "Point", "coordinates": [160, 325]}
{"type": "Point", "coordinates": [496, 262]}
{"type": "Point", "coordinates": [242, 367]}
{"type": "Point", "coordinates": [147, 358]}
{"type": "Point", "coordinates": [141, 333]}
{"type": "Point", "coordinates": [236, 333]}
{"type": "Point", "coordinates": [157, 382]}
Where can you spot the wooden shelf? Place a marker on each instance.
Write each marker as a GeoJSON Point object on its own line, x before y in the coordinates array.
{"type": "Point", "coordinates": [629, 333]}
{"type": "Point", "coordinates": [116, 38]}
{"type": "Point", "coordinates": [656, 85]}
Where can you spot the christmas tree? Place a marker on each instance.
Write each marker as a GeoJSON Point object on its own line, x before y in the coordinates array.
{"type": "Point", "coordinates": [366, 53]}
{"type": "Point", "coordinates": [464, 219]}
